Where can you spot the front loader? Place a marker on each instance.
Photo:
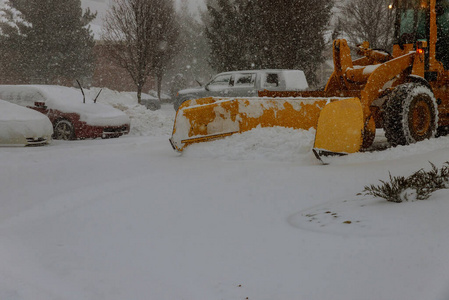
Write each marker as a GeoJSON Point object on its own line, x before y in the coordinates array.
{"type": "Point", "coordinates": [405, 93]}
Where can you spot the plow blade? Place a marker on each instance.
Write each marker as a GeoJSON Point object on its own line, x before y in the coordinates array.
{"type": "Point", "coordinates": [213, 118]}
{"type": "Point", "coordinates": [340, 128]}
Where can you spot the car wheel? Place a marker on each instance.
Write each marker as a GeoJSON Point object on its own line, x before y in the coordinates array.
{"type": "Point", "coordinates": [64, 130]}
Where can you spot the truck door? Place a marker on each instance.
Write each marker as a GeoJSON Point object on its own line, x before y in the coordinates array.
{"type": "Point", "coordinates": [220, 85]}
{"type": "Point", "coordinates": [244, 85]}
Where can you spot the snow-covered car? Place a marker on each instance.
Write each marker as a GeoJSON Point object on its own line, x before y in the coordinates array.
{"type": "Point", "coordinates": [21, 126]}
{"type": "Point", "coordinates": [245, 84]}
{"type": "Point", "coordinates": [151, 103]}
{"type": "Point", "coordinates": [72, 115]}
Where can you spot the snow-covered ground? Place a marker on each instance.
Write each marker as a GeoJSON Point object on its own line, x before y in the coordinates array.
{"type": "Point", "coordinates": [253, 216]}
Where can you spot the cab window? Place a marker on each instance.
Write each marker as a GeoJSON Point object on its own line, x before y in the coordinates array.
{"type": "Point", "coordinates": [244, 80]}
{"type": "Point", "coordinates": [412, 20]}
{"type": "Point", "coordinates": [220, 81]}
{"type": "Point", "coordinates": [272, 80]}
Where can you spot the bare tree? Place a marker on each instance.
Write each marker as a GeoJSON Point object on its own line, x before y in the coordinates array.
{"type": "Point", "coordinates": [368, 20]}
{"type": "Point", "coordinates": [140, 36]}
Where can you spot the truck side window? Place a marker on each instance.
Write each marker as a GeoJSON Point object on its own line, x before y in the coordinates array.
{"type": "Point", "coordinates": [221, 81]}
{"type": "Point", "coordinates": [272, 80]}
{"type": "Point", "coordinates": [442, 46]}
{"type": "Point", "coordinates": [244, 80]}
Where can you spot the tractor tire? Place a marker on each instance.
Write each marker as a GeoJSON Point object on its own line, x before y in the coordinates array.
{"type": "Point", "coordinates": [410, 114]}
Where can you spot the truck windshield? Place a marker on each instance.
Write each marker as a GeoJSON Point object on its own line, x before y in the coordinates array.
{"type": "Point", "coordinates": [412, 16]}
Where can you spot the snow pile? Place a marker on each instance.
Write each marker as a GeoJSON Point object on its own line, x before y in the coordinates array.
{"type": "Point", "coordinates": [144, 122]}
{"type": "Point", "coordinates": [273, 144]}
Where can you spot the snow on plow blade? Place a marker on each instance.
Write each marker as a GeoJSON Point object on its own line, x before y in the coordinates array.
{"type": "Point", "coordinates": [212, 118]}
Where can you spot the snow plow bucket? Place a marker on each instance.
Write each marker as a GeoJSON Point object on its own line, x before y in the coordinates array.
{"type": "Point", "coordinates": [213, 118]}
{"type": "Point", "coordinates": [340, 128]}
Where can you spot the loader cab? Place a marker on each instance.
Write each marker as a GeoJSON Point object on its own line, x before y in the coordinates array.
{"type": "Point", "coordinates": [412, 21]}
{"type": "Point", "coordinates": [413, 24]}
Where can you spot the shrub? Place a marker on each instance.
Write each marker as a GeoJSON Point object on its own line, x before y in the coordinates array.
{"type": "Point", "coordinates": [418, 186]}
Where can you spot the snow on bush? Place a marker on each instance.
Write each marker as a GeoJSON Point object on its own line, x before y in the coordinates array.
{"type": "Point", "coordinates": [418, 186]}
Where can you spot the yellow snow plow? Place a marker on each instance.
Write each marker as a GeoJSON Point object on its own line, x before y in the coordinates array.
{"type": "Point", "coordinates": [403, 93]}
{"type": "Point", "coordinates": [212, 118]}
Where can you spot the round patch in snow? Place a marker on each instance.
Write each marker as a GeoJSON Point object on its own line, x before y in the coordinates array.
{"type": "Point", "coordinates": [366, 216]}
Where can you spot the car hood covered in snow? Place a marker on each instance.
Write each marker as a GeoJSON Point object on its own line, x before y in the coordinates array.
{"type": "Point", "coordinates": [17, 124]}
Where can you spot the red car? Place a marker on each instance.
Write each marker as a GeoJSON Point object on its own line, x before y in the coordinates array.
{"type": "Point", "coordinates": [72, 115]}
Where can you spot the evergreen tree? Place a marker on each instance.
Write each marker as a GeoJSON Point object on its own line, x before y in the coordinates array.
{"type": "Point", "coordinates": [229, 33]}
{"type": "Point", "coordinates": [10, 19]}
{"type": "Point", "coordinates": [190, 65]}
{"type": "Point", "coordinates": [58, 47]}
{"type": "Point", "coordinates": [259, 34]}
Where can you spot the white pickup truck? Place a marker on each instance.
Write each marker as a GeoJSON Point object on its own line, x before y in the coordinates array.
{"type": "Point", "coordinates": [245, 84]}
